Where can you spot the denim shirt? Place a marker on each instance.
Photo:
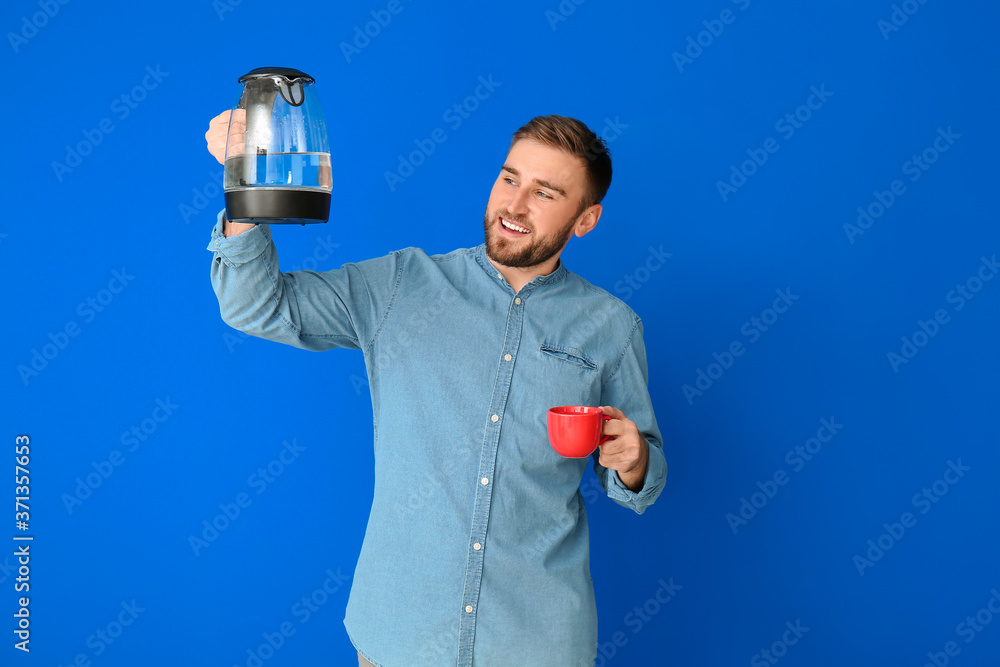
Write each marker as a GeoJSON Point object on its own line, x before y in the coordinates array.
{"type": "Point", "coordinates": [477, 549]}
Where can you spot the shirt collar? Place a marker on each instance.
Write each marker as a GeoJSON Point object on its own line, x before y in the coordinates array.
{"type": "Point", "coordinates": [558, 274]}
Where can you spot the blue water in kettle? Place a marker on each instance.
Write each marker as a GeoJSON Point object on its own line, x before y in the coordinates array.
{"type": "Point", "coordinates": [292, 170]}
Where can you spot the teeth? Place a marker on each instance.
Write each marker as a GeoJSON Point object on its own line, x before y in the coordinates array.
{"type": "Point", "coordinates": [510, 225]}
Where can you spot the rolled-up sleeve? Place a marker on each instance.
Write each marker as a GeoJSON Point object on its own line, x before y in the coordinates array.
{"type": "Point", "coordinates": [312, 310]}
{"type": "Point", "coordinates": [627, 390]}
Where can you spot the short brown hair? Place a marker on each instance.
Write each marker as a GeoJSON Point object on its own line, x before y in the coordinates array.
{"type": "Point", "coordinates": [573, 136]}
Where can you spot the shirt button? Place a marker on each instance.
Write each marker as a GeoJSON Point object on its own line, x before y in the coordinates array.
{"type": "Point", "coordinates": [468, 608]}
{"type": "Point", "coordinates": [518, 301]}
{"type": "Point", "coordinates": [507, 357]}
{"type": "Point", "coordinates": [500, 276]}
{"type": "Point", "coordinates": [485, 481]}
{"type": "Point", "coordinates": [495, 418]}
{"type": "Point", "coordinates": [477, 546]}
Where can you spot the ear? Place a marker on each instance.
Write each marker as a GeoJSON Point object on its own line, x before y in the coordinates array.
{"type": "Point", "coordinates": [588, 220]}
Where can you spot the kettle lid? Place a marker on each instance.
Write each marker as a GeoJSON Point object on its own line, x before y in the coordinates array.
{"type": "Point", "coordinates": [288, 73]}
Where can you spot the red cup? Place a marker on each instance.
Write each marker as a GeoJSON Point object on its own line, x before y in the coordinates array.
{"type": "Point", "coordinates": [575, 430]}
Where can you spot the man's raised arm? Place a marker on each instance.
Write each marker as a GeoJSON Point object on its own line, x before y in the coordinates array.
{"type": "Point", "coordinates": [313, 310]}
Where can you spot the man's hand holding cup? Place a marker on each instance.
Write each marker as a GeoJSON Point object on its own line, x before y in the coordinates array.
{"type": "Point", "coordinates": [575, 431]}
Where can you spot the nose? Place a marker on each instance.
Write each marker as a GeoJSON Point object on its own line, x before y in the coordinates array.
{"type": "Point", "coordinates": [518, 204]}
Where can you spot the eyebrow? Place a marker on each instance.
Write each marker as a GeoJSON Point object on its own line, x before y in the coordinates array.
{"type": "Point", "coordinates": [544, 184]}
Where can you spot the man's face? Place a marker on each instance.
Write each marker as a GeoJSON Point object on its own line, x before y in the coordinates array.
{"type": "Point", "coordinates": [539, 190]}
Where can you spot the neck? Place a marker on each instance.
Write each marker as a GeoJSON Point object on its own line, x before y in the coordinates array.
{"type": "Point", "coordinates": [518, 277]}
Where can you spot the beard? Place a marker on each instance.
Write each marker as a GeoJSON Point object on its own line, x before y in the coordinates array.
{"type": "Point", "coordinates": [513, 253]}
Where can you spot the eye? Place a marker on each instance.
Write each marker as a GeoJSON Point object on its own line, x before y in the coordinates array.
{"type": "Point", "coordinates": [544, 195]}
{"type": "Point", "coordinates": [508, 180]}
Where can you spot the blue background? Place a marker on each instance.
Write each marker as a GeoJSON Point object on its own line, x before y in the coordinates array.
{"type": "Point", "coordinates": [143, 199]}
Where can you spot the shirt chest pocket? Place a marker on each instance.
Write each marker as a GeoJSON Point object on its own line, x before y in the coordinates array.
{"type": "Point", "coordinates": [569, 375]}
{"type": "Point", "coordinates": [569, 355]}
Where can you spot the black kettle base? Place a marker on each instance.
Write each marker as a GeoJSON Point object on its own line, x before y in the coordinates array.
{"type": "Point", "coordinates": [275, 206]}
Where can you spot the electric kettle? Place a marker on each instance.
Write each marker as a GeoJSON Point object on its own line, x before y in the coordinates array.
{"type": "Point", "coordinates": [277, 152]}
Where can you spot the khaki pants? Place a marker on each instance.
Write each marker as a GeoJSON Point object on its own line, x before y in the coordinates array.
{"type": "Point", "coordinates": [363, 663]}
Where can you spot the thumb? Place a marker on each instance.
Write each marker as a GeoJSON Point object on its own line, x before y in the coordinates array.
{"type": "Point", "coordinates": [612, 412]}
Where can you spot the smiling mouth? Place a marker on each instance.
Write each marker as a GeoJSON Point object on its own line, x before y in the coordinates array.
{"type": "Point", "coordinates": [513, 227]}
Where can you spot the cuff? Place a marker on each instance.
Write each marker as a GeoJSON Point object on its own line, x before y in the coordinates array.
{"type": "Point", "coordinates": [656, 473]}
{"type": "Point", "coordinates": [242, 248]}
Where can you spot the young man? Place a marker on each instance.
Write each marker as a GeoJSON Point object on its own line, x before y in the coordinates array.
{"type": "Point", "coordinates": [477, 546]}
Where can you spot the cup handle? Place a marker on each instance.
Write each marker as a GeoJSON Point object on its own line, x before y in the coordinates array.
{"type": "Point", "coordinates": [604, 438]}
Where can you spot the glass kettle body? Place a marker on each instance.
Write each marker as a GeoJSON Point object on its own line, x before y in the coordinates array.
{"type": "Point", "coordinates": [277, 152]}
